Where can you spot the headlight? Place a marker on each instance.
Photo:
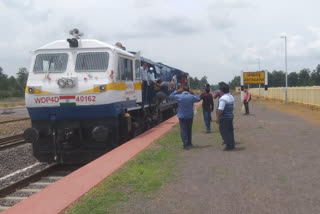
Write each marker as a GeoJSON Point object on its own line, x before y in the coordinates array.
{"type": "Point", "coordinates": [62, 83]}
{"type": "Point", "coordinates": [102, 88]}
{"type": "Point", "coordinates": [30, 90]}
{"type": "Point", "coordinates": [70, 83]}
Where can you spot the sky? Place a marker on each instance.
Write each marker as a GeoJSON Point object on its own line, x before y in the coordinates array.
{"type": "Point", "coordinates": [214, 38]}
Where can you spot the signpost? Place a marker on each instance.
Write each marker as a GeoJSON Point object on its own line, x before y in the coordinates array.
{"type": "Point", "coordinates": [260, 77]}
{"type": "Point", "coordinates": [253, 77]}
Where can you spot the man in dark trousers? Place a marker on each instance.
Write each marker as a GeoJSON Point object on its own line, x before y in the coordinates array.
{"type": "Point", "coordinates": [225, 117]}
{"type": "Point", "coordinates": [207, 107]}
{"type": "Point", "coordinates": [144, 78]}
{"type": "Point", "coordinates": [246, 99]}
{"type": "Point", "coordinates": [185, 99]}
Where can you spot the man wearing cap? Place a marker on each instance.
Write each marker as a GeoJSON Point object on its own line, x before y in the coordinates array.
{"type": "Point", "coordinates": [185, 99]}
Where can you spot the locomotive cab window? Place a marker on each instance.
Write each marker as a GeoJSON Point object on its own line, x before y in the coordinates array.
{"type": "Point", "coordinates": [137, 67]}
{"type": "Point", "coordinates": [125, 69]}
{"type": "Point", "coordinates": [92, 62]}
{"type": "Point", "coordinates": [54, 62]}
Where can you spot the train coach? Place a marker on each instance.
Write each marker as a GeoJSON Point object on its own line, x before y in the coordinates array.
{"type": "Point", "coordinates": [84, 98]}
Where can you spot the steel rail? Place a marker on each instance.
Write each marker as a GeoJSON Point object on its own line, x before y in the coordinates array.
{"type": "Point", "coordinates": [12, 141]}
{"type": "Point", "coordinates": [15, 120]}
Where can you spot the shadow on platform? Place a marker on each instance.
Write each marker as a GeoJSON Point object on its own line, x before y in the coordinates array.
{"type": "Point", "coordinates": [201, 146]}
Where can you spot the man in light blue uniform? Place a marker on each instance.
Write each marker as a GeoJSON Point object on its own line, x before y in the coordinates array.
{"type": "Point", "coordinates": [225, 117]}
{"type": "Point", "coordinates": [144, 78]}
{"type": "Point", "coordinates": [151, 81]}
{"type": "Point", "coordinates": [185, 100]}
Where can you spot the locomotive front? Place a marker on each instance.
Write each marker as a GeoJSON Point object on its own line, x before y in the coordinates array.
{"type": "Point", "coordinates": [74, 100]}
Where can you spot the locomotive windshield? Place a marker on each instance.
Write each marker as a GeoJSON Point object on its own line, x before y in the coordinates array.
{"type": "Point", "coordinates": [92, 61]}
{"type": "Point", "coordinates": [53, 62]}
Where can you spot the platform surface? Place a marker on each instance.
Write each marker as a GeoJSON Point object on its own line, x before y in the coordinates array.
{"type": "Point", "coordinates": [64, 192]}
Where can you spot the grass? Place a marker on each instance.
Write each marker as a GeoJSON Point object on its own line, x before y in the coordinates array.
{"type": "Point", "coordinates": [282, 179]}
{"type": "Point", "coordinates": [11, 102]}
{"type": "Point", "coordinates": [139, 178]}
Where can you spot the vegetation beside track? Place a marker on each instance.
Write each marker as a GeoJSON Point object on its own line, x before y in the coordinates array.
{"type": "Point", "coordinates": [139, 178]}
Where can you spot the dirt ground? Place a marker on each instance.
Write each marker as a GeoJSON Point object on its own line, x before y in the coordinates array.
{"type": "Point", "coordinates": [308, 113]}
{"type": "Point", "coordinates": [275, 168]}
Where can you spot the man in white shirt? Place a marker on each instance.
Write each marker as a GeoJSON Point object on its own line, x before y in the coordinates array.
{"type": "Point", "coordinates": [151, 82]}
{"type": "Point", "coordinates": [224, 117]}
{"type": "Point", "coordinates": [174, 82]}
{"type": "Point", "coordinates": [144, 78]}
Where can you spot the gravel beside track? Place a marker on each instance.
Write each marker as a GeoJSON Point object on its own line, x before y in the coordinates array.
{"type": "Point", "coordinates": [13, 112]}
{"type": "Point", "coordinates": [39, 180]}
{"type": "Point", "coordinates": [14, 159]}
{"type": "Point", "coordinates": [13, 128]}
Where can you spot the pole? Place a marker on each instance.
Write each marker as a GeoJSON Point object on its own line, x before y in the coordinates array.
{"type": "Point", "coordinates": [286, 67]}
{"type": "Point", "coordinates": [259, 71]}
{"type": "Point", "coordinates": [285, 39]}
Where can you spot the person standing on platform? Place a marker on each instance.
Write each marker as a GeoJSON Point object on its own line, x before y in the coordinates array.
{"type": "Point", "coordinates": [218, 93]}
{"type": "Point", "coordinates": [224, 117]}
{"type": "Point", "coordinates": [185, 99]}
{"type": "Point", "coordinates": [246, 99]}
{"type": "Point", "coordinates": [144, 78]}
{"type": "Point", "coordinates": [207, 107]}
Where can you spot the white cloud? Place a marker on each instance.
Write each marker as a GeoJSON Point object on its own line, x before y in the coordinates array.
{"type": "Point", "coordinates": [211, 37]}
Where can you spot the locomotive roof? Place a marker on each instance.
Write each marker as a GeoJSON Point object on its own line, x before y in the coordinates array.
{"type": "Point", "coordinates": [174, 70]}
{"type": "Point", "coordinates": [85, 44]}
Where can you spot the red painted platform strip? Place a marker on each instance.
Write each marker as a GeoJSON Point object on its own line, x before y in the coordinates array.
{"type": "Point", "coordinates": [58, 196]}
{"type": "Point", "coordinates": [67, 97]}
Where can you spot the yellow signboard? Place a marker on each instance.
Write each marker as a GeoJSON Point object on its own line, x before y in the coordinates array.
{"type": "Point", "coordinates": [253, 77]}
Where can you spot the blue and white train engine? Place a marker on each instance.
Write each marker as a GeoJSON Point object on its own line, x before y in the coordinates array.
{"type": "Point", "coordinates": [83, 98]}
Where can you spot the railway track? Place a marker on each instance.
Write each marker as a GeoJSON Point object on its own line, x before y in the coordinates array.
{"type": "Point", "coordinates": [24, 188]}
{"type": "Point", "coordinates": [15, 120]}
{"type": "Point", "coordinates": [12, 141]}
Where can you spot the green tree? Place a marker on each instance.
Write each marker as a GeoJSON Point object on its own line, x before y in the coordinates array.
{"type": "Point", "coordinates": [315, 76]}
{"type": "Point", "coordinates": [304, 77]}
{"type": "Point", "coordinates": [293, 79]}
{"type": "Point", "coordinates": [214, 87]}
{"type": "Point", "coordinates": [3, 80]}
{"type": "Point", "coordinates": [203, 82]}
{"type": "Point", "coordinates": [277, 79]}
{"type": "Point", "coordinates": [234, 82]}
{"type": "Point", "coordinates": [22, 77]}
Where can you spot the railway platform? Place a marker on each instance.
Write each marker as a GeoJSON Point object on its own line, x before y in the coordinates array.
{"type": "Point", "coordinates": [274, 169]}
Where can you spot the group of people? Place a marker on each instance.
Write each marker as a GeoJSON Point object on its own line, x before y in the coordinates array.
{"type": "Point", "coordinates": [224, 113]}
{"type": "Point", "coordinates": [148, 84]}
{"type": "Point", "coordinates": [148, 80]}
{"type": "Point", "coordinates": [186, 100]}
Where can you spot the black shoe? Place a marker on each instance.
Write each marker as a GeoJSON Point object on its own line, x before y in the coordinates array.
{"type": "Point", "coordinates": [228, 148]}
{"type": "Point", "coordinates": [186, 147]}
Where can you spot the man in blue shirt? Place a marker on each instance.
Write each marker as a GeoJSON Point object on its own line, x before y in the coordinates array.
{"type": "Point", "coordinates": [185, 100]}
{"type": "Point", "coordinates": [225, 117]}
